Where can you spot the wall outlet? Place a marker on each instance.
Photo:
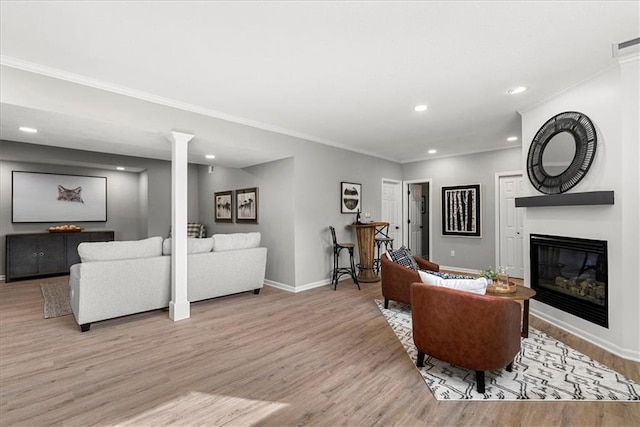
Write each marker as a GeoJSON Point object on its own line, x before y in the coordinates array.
{"type": "Point", "coordinates": [453, 253]}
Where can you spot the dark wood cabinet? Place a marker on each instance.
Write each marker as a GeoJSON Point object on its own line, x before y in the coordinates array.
{"type": "Point", "coordinates": [46, 254]}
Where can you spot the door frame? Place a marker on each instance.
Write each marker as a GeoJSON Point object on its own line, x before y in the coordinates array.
{"type": "Point", "coordinates": [496, 215]}
{"type": "Point", "coordinates": [405, 210]}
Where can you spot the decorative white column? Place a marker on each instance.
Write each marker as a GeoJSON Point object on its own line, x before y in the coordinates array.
{"type": "Point", "coordinates": [179, 307]}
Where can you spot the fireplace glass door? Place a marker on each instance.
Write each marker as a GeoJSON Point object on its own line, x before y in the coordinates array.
{"type": "Point", "coordinates": [571, 274]}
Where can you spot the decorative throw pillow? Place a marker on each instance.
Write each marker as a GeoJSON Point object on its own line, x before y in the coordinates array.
{"type": "Point", "coordinates": [477, 286]}
{"type": "Point", "coordinates": [403, 257]}
{"type": "Point", "coordinates": [449, 276]}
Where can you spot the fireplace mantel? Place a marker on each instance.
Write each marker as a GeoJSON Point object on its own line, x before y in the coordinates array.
{"type": "Point", "coordinates": [567, 199]}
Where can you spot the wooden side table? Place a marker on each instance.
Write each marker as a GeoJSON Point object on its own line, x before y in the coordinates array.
{"type": "Point", "coordinates": [524, 294]}
{"type": "Point", "coordinates": [365, 234]}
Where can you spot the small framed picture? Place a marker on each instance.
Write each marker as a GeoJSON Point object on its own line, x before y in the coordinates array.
{"type": "Point", "coordinates": [247, 205]}
{"type": "Point", "coordinates": [350, 197]}
{"type": "Point", "coordinates": [224, 206]}
{"type": "Point", "coordinates": [461, 211]}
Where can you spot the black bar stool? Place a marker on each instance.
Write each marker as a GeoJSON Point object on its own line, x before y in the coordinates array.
{"type": "Point", "coordinates": [337, 270]}
{"type": "Point", "coordinates": [382, 238]}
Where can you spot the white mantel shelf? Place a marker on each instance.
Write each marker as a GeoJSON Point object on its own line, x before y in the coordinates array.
{"type": "Point", "coordinates": [590, 198]}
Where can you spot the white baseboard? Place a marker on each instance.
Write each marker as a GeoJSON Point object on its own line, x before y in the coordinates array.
{"type": "Point", "coordinates": [3, 278]}
{"type": "Point", "coordinates": [296, 289]}
{"type": "Point", "coordinates": [625, 353]}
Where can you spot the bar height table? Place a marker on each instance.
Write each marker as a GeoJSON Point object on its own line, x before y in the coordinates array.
{"type": "Point", "coordinates": [365, 234]}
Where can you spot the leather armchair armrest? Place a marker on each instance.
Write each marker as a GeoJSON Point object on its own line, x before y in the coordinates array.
{"type": "Point", "coordinates": [425, 264]}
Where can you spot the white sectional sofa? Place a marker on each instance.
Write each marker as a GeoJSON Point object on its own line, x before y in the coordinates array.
{"type": "Point", "coordinates": [125, 277]}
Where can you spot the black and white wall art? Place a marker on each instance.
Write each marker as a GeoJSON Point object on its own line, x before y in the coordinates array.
{"type": "Point", "coordinates": [247, 205]}
{"type": "Point", "coordinates": [350, 197]}
{"type": "Point", "coordinates": [48, 197]}
{"type": "Point", "coordinates": [224, 206]}
{"type": "Point", "coordinates": [461, 210]}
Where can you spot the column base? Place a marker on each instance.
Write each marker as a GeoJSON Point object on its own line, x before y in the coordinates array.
{"type": "Point", "coordinates": [179, 310]}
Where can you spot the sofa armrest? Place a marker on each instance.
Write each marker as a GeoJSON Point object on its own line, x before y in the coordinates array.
{"type": "Point", "coordinates": [425, 264]}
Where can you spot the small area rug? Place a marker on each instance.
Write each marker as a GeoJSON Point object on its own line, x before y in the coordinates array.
{"type": "Point", "coordinates": [56, 299]}
{"type": "Point", "coordinates": [545, 369]}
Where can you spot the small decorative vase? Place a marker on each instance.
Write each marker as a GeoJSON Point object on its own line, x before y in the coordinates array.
{"type": "Point", "coordinates": [503, 278]}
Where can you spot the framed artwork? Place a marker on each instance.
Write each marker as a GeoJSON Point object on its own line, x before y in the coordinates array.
{"type": "Point", "coordinates": [48, 197]}
{"type": "Point", "coordinates": [247, 205]}
{"type": "Point", "coordinates": [350, 197]}
{"type": "Point", "coordinates": [461, 211]}
{"type": "Point", "coordinates": [224, 206]}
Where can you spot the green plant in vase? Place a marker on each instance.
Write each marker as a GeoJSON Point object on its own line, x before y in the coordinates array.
{"type": "Point", "coordinates": [490, 274]}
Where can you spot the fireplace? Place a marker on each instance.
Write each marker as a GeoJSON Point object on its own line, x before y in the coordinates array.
{"type": "Point", "coordinates": [570, 274]}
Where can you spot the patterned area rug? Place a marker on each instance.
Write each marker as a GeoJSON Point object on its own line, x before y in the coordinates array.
{"type": "Point", "coordinates": [545, 369]}
{"type": "Point", "coordinates": [56, 299]}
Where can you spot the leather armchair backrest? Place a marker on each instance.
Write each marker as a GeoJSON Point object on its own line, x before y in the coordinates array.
{"type": "Point", "coordinates": [478, 332]}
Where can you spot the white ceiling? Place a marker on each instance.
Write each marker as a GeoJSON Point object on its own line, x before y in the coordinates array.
{"type": "Point", "coordinates": [346, 74]}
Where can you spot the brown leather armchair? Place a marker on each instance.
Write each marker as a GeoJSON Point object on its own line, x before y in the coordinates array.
{"type": "Point", "coordinates": [477, 332]}
{"type": "Point", "coordinates": [397, 279]}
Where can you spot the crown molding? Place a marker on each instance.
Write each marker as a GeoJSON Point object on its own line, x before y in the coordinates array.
{"type": "Point", "coordinates": [55, 73]}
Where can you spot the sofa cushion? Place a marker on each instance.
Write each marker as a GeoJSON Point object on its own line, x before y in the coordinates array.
{"type": "Point", "coordinates": [194, 245]}
{"type": "Point", "coordinates": [403, 257]}
{"type": "Point", "coordinates": [127, 249]}
{"type": "Point", "coordinates": [235, 241]}
{"type": "Point", "coordinates": [477, 286]}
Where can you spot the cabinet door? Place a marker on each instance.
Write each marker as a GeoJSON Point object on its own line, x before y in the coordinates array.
{"type": "Point", "coordinates": [51, 256]}
{"type": "Point", "coordinates": [73, 240]}
{"type": "Point", "coordinates": [22, 256]}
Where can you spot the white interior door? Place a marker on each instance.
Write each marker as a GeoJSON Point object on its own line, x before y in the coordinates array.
{"type": "Point", "coordinates": [511, 225]}
{"type": "Point", "coordinates": [392, 208]}
{"type": "Point", "coordinates": [415, 219]}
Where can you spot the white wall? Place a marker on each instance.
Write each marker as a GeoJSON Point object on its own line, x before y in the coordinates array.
{"type": "Point", "coordinates": [608, 100]}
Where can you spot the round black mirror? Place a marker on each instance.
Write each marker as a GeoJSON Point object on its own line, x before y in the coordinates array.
{"type": "Point", "coordinates": [561, 152]}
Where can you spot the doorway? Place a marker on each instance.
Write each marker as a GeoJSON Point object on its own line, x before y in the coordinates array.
{"type": "Point", "coordinates": [418, 217]}
{"type": "Point", "coordinates": [509, 223]}
{"type": "Point", "coordinates": [392, 208]}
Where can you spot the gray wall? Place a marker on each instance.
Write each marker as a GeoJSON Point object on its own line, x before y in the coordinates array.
{"type": "Point", "coordinates": [481, 168]}
{"type": "Point", "coordinates": [275, 210]}
{"type": "Point", "coordinates": [138, 203]}
{"type": "Point", "coordinates": [319, 170]}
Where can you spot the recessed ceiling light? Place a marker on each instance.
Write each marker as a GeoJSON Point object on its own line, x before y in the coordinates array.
{"type": "Point", "coordinates": [120, 168]}
{"type": "Point", "coordinates": [210, 156]}
{"type": "Point", "coordinates": [420, 108]}
{"type": "Point", "coordinates": [512, 138]}
{"type": "Point", "coordinates": [516, 90]}
{"type": "Point", "coordinates": [432, 151]}
{"type": "Point", "coordinates": [28, 130]}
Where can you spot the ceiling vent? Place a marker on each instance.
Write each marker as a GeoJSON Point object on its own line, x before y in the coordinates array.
{"type": "Point", "coordinates": [626, 48]}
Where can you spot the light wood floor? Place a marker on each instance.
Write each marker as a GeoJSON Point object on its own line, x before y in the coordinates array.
{"type": "Point", "coordinates": [315, 358]}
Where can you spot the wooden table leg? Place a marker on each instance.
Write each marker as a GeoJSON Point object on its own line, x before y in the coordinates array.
{"type": "Point", "coordinates": [366, 236]}
{"type": "Point", "coordinates": [525, 319]}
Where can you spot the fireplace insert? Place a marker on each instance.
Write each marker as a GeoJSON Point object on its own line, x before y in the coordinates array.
{"type": "Point", "coordinates": [570, 274]}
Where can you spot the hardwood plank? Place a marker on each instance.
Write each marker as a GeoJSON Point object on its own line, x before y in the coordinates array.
{"type": "Point", "coordinates": [320, 357]}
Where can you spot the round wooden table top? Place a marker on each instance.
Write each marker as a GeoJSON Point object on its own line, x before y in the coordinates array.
{"type": "Point", "coordinates": [521, 293]}
{"type": "Point", "coordinates": [369, 224]}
